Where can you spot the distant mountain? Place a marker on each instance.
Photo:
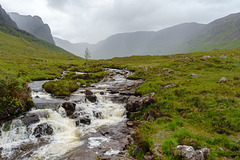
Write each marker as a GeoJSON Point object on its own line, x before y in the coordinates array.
{"type": "Point", "coordinates": [222, 33]}
{"type": "Point", "coordinates": [33, 25]}
{"type": "Point", "coordinates": [76, 48]}
{"type": "Point", "coordinates": [6, 18]}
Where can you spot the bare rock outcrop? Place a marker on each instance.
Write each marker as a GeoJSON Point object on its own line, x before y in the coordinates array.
{"type": "Point", "coordinates": [135, 104]}
{"type": "Point", "coordinates": [188, 153]}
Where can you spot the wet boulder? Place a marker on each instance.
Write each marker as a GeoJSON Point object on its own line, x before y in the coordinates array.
{"type": "Point", "coordinates": [119, 99]}
{"type": "Point", "coordinates": [43, 130]}
{"type": "Point", "coordinates": [78, 114]}
{"type": "Point", "coordinates": [88, 92]}
{"type": "Point", "coordinates": [188, 153]}
{"type": "Point", "coordinates": [83, 120]}
{"type": "Point", "coordinates": [90, 96]}
{"type": "Point", "coordinates": [69, 107]}
{"type": "Point", "coordinates": [135, 104]}
{"type": "Point", "coordinates": [113, 90]}
{"type": "Point", "coordinates": [30, 119]}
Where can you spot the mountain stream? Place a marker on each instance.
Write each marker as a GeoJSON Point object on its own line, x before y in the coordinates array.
{"type": "Point", "coordinates": [93, 129]}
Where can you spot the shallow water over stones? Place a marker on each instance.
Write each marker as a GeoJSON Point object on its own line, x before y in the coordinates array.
{"type": "Point", "coordinates": [89, 131]}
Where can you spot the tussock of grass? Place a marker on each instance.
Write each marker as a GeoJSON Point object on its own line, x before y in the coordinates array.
{"type": "Point", "coordinates": [61, 87]}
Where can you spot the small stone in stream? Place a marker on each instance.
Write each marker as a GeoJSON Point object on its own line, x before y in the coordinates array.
{"type": "Point", "coordinates": [89, 96]}
{"type": "Point", "coordinates": [67, 98]}
{"type": "Point", "coordinates": [223, 79]}
{"type": "Point", "coordinates": [78, 114]}
{"type": "Point", "coordinates": [129, 123]}
{"type": "Point", "coordinates": [37, 97]}
{"type": "Point", "coordinates": [43, 130]}
{"type": "Point", "coordinates": [30, 119]}
{"type": "Point", "coordinates": [97, 114]}
{"type": "Point", "coordinates": [102, 93]}
{"type": "Point", "coordinates": [113, 90]}
{"type": "Point", "coordinates": [84, 120]}
{"type": "Point", "coordinates": [69, 107]}
{"type": "Point", "coordinates": [92, 98]}
{"type": "Point", "coordinates": [88, 92]}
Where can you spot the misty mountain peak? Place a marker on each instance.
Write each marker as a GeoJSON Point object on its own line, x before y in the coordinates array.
{"type": "Point", "coordinates": [6, 18]}
{"type": "Point", "coordinates": [33, 25]}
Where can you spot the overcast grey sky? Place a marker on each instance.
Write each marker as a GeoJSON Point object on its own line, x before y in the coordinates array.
{"type": "Point", "coordinates": [95, 20]}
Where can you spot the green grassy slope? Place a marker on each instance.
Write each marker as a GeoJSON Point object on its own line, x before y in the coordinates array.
{"type": "Point", "coordinates": [4, 27]}
{"type": "Point", "coordinates": [199, 111]}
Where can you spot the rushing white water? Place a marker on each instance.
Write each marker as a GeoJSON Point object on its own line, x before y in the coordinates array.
{"type": "Point", "coordinates": [16, 138]}
{"type": "Point", "coordinates": [65, 136]}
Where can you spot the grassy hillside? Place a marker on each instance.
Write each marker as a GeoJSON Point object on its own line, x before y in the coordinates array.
{"type": "Point", "coordinates": [198, 111]}
{"type": "Point", "coordinates": [28, 37]}
{"type": "Point", "coordinates": [24, 58]}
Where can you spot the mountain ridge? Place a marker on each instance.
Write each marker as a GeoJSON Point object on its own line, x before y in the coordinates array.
{"type": "Point", "coordinates": [6, 18]}
{"type": "Point", "coordinates": [33, 25]}
{"type": "Point", "coordinates": [222, 33]}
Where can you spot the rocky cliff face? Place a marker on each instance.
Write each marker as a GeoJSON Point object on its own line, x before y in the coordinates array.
{"type": "Point", "coordinates": [33, 25]}
{"type": "Point", "coordinates": [6, 18]}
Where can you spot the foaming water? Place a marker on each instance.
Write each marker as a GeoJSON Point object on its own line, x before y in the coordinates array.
{"type": "Point", "coordinates": [65, 136]}
{"type": "Point", "coordinates": [111, 113]}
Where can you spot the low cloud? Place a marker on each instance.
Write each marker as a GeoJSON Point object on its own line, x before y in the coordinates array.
{"type": "Point", "coordinates": [94, 20]}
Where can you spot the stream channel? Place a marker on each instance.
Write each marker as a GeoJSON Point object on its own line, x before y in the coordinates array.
{"type": "Point", "coordinates": [75, 128]}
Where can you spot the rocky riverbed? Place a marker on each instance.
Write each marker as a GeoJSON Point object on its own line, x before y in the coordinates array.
{"type": "Point", "coordinates": [90, 124]}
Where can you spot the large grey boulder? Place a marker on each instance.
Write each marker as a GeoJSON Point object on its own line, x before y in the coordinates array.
{"type": "Point", "coordinates": [188, 153]}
